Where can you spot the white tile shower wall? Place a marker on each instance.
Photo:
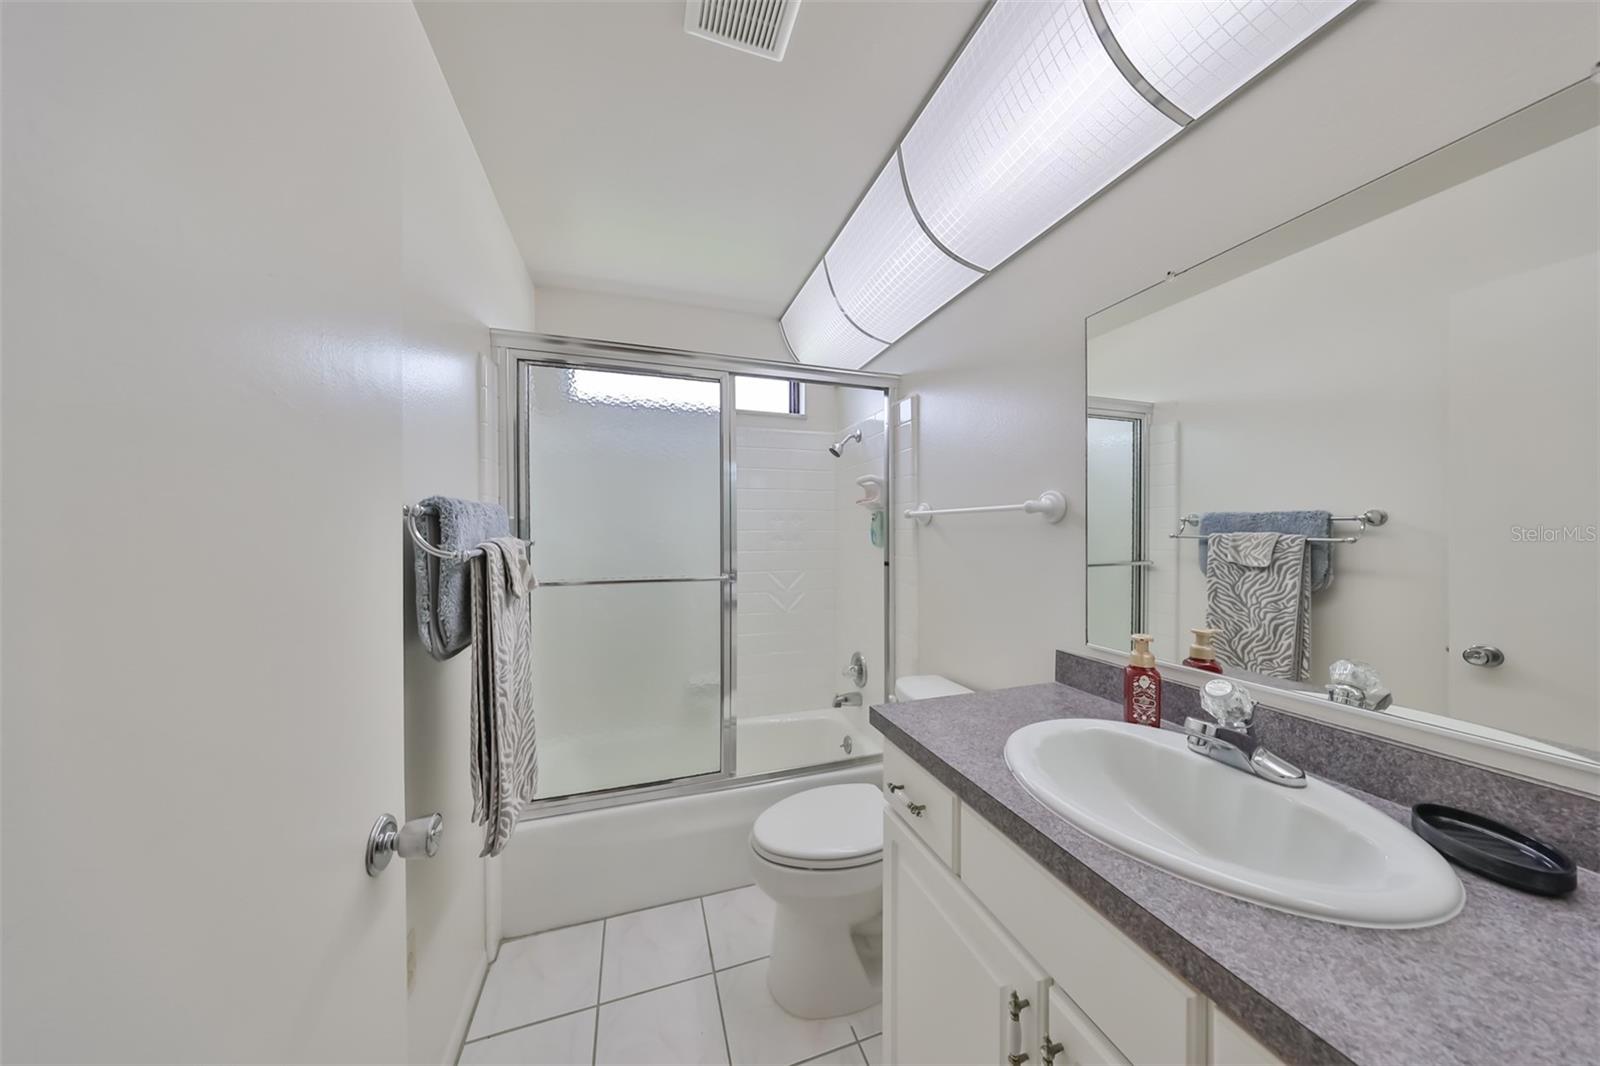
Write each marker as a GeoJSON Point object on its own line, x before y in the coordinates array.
{"type": "Point", "coordinates": [787, 531]}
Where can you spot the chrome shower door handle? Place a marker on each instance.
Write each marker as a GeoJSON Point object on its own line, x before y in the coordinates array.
{"type": "Point", "coordinates": [1486, 655]}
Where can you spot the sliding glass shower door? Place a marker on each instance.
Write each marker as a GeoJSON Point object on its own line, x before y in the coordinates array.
{"type": "Point", "coordinates": [623, 495]}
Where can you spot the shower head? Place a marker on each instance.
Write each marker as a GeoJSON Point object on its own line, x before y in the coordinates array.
{"type": "Point", "coordinates": [838, 449]}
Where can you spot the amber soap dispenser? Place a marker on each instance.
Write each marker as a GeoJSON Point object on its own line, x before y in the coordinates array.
{"type": "Point", "coordinates": [1202, 655]}
{"type": "Point", "coordinates": [1141, 685]}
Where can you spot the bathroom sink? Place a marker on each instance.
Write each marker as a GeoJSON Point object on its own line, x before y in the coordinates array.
{"type": "Point", "coordinates": [1314, 851]}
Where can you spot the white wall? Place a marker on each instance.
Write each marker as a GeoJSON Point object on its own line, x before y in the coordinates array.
{"type": "Point", "coordinates": [661, 323]}
{"type": "Point", "coordinates": [1000, 372]}
{"type": "Point", "coordinates": [248, 257]}
{"type": "Point", "coordinates": [462, 274]}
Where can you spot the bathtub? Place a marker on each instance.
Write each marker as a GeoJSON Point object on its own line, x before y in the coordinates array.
{"type": "Point", "coordinates": [803, 738]}
{"type": "Point", "coordinates": [576, 867]}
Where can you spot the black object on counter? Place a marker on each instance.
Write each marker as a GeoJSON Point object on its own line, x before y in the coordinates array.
{"type": "Point", "coordinates": [1496, 851]}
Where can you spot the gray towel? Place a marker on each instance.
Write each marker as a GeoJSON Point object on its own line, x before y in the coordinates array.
{"type": "Point", "coordinates": [443, 601]}
{"type": "Point", "coordinates": [1305, 523]}
{"type": "Point", "coordinates": [505, 755]}
{"type": "Point", "coordinates": [1258, 599]}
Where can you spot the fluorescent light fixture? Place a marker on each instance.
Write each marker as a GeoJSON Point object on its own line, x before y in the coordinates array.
{"type": "Point", "coordinates": [1031, 121]}
{"type": "Point", "coordinates": [818, 332]}
{"type": "Point", "coordinates": [887, 275]}
{"type": "Point", "coordinates": [1048, 103]}
{"type": "Point", "coordinates": [1198, 52]}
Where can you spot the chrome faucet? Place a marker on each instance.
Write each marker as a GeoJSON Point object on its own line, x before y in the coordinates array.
{"type": "Point", "coordinates": [1228, 739]}
{"type": "Point", "coordinates": [847, 699]}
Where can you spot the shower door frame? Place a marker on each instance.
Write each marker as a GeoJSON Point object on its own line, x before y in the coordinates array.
{"type": "Point", "coordinates": [515, 350]}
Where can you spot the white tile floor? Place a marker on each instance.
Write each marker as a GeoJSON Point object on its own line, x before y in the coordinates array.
{"type": "Point", "coordinates": [671, 986]}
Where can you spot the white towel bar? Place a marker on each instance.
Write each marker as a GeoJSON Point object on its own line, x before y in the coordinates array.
{"type": "Point", "coordinates": [1051, 506]}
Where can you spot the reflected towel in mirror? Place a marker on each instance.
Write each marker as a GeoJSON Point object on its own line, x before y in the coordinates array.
{"type": "Point", "coordinates": [1303, 523]}
{"type": "Point", "coordinates": [1258, 599]}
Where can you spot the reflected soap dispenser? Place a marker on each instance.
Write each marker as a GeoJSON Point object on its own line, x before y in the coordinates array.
{"type": "Point", "coordinates": [1141, 685]}
{"type": "Point", "coordinates": [1202, 656]}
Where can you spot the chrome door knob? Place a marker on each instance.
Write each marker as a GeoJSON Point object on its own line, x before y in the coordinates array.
{"type": "Point", "coordinates": [1483, 655]}
{"type": "Point", "coordinates": [417, 839]}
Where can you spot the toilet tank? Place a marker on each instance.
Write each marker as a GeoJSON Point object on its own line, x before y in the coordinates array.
{"type": "Point", "coordinates": [926, 687]}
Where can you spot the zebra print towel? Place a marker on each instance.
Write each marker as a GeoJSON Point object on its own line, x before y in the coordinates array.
{"type": "Point", "coordinates": [1258, 598]}
{"type": "Point", "coordinates": [505, 757]}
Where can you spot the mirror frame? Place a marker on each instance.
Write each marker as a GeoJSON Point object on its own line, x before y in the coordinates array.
{"type": "Point", "coordinates": [1553, 118]}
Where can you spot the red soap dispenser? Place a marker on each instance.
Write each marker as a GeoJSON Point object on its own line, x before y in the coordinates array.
{"type": "Point", "coordinates": [1141, 685]}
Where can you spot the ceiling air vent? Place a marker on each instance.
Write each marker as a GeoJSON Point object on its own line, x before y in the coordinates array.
{"type": "Point", "coordinates": [760, 27]}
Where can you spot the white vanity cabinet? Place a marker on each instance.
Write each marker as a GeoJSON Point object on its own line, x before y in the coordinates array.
{"type": "Point", "coordinates": [957, 989]}
{"type": "Point", "coordinates": [971, 920]}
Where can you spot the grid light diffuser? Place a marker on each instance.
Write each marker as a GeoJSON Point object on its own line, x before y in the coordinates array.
{"type": "Point", "coordinates": [819, 333]}
{"type": "Point", "coordinates": [887, 275]}
{"type": "Point", "coordinates": [1031, 121]}
{"type": "Point", "coordinates": [1198, 52]}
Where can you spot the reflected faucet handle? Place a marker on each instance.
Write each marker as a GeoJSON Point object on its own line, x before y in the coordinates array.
{"type": "Point", "coordinates": [1228, 702]}
{"type": "Point", "coordinates": [1357, 684]}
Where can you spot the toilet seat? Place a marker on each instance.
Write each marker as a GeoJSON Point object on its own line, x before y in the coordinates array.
{"type": "Point", "coordinates": [836, 827]}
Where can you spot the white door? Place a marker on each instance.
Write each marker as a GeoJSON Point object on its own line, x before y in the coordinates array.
{"type": "Point", "coordinates": [949, 971]}
{"type": "Point", "coordinates": [1524, 470]}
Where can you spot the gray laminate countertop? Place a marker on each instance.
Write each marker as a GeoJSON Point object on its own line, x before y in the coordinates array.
{"type": "Point", "coordinates": [1512, 979]}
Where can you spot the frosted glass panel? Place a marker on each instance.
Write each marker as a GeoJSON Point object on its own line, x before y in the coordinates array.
{"type": "Point", "coordinates": [1111, 500]}
{"type": "Point", "coordinates": [627, 684]}
{"type": "Point", "coordinates": [624, 474]}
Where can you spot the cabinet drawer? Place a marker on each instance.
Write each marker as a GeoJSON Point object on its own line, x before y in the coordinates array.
{"type": "Point", "coordinates": [1150, 1014]}
{"type": "Point", "coordinates": [1082, 1044]}
{"type": "Point", "coordinates": [921, 802]}
{"type": "Point", "coordinates": [1232, 1046]}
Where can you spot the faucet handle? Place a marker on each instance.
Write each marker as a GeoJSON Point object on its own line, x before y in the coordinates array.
{"type": "Point", "coordinates": [1228, 702]}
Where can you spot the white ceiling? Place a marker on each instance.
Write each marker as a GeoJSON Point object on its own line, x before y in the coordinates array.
{"type": "Point", "coordinates": [630, 157]}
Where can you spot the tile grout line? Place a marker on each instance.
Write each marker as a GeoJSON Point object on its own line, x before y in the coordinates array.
{"type": "Point", "coordinates": [616, 999]}
{"type": "Point", "coordinates": [834, 1051]}
{"type": "Point", "coordinates": [599, 983]}
{"type": "Point", "coordinates": [607, 917]}
{"type": "Point", "coordinates": [716, 986]}
{"type": "Point", "coordinates": [528, 1025]}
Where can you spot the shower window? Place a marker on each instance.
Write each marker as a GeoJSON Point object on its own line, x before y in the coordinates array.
{"type": "Point", "coordinates": [772, 396]}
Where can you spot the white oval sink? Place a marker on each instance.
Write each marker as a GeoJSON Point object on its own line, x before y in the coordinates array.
{"type": "Point", "coordinates": [1314, 851]}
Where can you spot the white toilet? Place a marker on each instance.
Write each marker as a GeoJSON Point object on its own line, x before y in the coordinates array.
{"type": "Point", "coordinates": [819, 855]}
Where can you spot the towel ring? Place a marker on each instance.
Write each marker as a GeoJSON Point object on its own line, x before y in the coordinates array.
{"type": "Point", "coordinates": [412, 512]}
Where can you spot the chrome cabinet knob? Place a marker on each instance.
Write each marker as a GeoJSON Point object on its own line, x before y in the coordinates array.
{"type": "Point", "coordinates": [1483, 655]}
{"type": "Point", "coordinates": [417, 839]}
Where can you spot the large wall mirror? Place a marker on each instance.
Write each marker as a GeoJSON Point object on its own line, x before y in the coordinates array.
{"type": "Point", "coordinates": [1361, 448]}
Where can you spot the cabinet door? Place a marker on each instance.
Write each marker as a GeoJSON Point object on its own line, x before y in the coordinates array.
{"type": "Point", "coordinates": [1081, 1042]}
{"type": "Point", "coordinates": [949, 970]}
